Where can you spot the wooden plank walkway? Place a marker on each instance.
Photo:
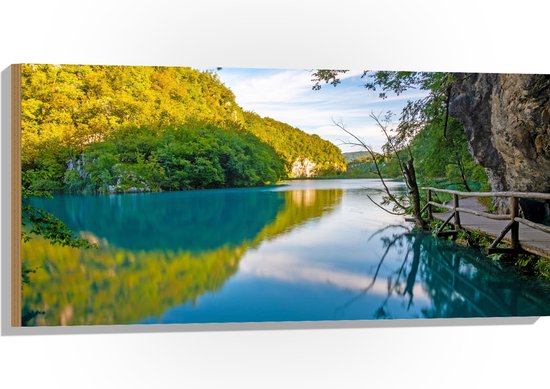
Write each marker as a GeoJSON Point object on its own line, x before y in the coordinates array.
{"type": "Point", "coordinates": [531, 240]}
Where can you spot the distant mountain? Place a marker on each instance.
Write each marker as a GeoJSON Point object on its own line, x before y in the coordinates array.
{"type": "Point", "coordinates": [304, 155]}
{"type": "Point", "coordinates": [355, 155]}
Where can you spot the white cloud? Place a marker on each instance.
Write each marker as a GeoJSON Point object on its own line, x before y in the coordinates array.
{"type": "Point", "coordinates": [279, 87]}
{"type": "Point", "coordinates": [371, 135]}
{"type": "Point", "coordinates": [293, 269]}
{"type": "Point", "coordinates": [287, 96]}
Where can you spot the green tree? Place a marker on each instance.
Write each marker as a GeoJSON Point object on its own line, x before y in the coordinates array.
{"type": "Point", "coordinates": [446, 161]}
{"type": "Point", "coordinates": [426, 114]}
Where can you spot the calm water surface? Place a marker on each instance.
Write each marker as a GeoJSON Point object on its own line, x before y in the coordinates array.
{"type": "Point", "coordinates": [308, 250]}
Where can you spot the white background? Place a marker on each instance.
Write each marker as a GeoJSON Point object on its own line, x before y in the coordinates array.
{"type": "Point", "coordinates": [468, 35]}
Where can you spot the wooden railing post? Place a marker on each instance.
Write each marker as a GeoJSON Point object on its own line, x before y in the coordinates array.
{"type": "Point", "coordinates": [514, 211]}
{"type": "Point", "coordinates": [429, 205]}
{"type": "Point", "coordinates": [530, 242]}
{"type": "Point", "coordinates": [457, 215]}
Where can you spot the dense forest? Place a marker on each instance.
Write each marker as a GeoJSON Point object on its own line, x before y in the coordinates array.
{"type": "Point", "coordinates": [126, 128]}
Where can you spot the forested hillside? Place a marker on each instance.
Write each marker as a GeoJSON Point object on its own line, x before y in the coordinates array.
{"type": "Point", "coordinates": [303, 154]}
{"type": "Point", "coordinates": [119, 128]}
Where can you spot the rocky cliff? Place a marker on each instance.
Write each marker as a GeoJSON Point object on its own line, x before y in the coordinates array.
{"type": "Point", "coordinates": [507, 123]}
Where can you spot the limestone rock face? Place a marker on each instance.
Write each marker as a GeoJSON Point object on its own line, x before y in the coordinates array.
{"type": "Point", "coordinates": [303, 168]}
{"type": "Point", "coordinates": [507, 123]}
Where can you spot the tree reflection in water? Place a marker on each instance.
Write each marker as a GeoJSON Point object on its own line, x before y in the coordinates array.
{"type": "Point", "coordinates": [139, 270]}
{"type": "Point", "coordinates": [456, 280]}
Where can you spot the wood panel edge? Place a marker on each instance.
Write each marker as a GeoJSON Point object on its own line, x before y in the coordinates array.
{"type": "Point", "coordinates": [16, 319]}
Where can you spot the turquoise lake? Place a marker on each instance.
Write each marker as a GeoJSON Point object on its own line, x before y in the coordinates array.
{"type": "Point", "coordinates": [303, 251]}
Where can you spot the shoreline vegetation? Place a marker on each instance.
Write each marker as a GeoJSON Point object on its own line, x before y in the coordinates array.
{"type": "Point", "coordinates": [128, 129]}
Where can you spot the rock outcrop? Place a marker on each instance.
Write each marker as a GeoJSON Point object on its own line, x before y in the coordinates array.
{"type": "Point", "coordinates": [507, 123]}
{"type": "Point", "coordinates": [303, 168]}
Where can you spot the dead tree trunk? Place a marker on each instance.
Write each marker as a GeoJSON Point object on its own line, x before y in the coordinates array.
{"type": "Point", "coordinates": [410, 178]}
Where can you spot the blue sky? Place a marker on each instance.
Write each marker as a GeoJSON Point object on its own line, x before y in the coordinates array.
{"type": "Point", "coordinates": [286, 95]}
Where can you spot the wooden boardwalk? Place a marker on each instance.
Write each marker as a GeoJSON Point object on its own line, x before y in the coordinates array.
{"type": "Point", "coordinates": [531, 239]}
{"type": "Point", "coordinates": [465, 212]}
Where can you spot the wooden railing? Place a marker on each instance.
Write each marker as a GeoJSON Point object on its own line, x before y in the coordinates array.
{"type": "Point", "coordinates": [513, 214]}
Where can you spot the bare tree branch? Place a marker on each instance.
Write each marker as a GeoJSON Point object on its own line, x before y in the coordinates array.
{"type": "Point", "coordinates": [384, 209]}
{"type": "Point", "coordinates": [373, 155]}
{"type": "Point", "coordinates": [388, 137]}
